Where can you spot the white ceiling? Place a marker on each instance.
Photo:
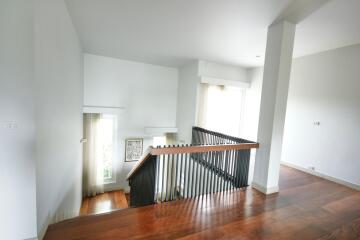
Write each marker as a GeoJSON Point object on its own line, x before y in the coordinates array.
{"type": "Point", "coordinates": [172, 32]}
{"type": "Point", "coordinates": [336, 24]}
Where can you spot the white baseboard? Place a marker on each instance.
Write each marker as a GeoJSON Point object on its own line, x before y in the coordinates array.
{"type": "Point", "coordinates": [58, 217]}
{"type": "Point", "coordinates": [64, 215]}
{"type": "Point", "coordinates": [332, 179]}
{"type": "Point", "coordinates": [265, 190]}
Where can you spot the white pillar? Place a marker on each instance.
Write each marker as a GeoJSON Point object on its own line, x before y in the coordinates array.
{"type": "Point", "coordinates": [278, 58]}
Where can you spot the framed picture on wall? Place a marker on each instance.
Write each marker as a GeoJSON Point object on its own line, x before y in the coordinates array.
{"type": "Point", "coordinates": [133, 149]}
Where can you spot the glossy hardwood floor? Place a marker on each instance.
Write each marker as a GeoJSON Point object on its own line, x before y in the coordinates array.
{"type": "Point", "coordinates": [103, 203]}
{"type": "Point", "coordinates": [306, 207]}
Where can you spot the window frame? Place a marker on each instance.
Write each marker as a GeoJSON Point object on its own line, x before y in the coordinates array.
{"type": "Point", "coordinates": [114, 150]}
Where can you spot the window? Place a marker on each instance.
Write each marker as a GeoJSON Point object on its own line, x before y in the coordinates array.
{"type": "Point", "coordinates": [222, 108]}
{"type": "Point", "coordinates": [106, 146]}
{"type": "Point", "coordinates": [159, 141]}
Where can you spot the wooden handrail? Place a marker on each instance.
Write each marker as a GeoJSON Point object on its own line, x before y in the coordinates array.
{"type": "Point", "coordinates": [139, 163]}
{"type": "Point", "coordinates": [188, 149]}
{"type": "Point", "coordinates": [203, 148]}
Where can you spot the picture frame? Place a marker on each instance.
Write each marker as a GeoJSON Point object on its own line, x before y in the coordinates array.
{"type": "Point", "coordinates": [133, 149]}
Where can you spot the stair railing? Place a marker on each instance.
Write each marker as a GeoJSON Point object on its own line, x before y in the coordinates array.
{"type": "Point", "coordinates": [178, 172]}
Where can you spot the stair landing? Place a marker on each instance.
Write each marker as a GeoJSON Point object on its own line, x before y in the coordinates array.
{"type": "Point", "coordinates": [103, 203]}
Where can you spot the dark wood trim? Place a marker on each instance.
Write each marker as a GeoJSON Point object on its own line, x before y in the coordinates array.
{"type": "Point", "coordinates": [203, 148]}
{"type": "Point", "coordinates": [188, 149]}
{"type": "Point", "coordinates": [139, 163]}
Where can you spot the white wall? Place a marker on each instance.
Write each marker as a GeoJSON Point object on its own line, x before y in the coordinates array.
{"type": "Point", "coordinates": [58, 69]}
{"type": "Point", "coordinates": [187, 100]}
{"type": "Point", "coordinates": [252, 111]}
{"type": "Point", "coordinates": [221, 71]}
{"type": "Point", "coordinates": [189, 90]}
{"type": "Point", "coordinates": [147, 92]}
{"type": "Point", "coordinates": [325, 87]}
{"type": "Point", "coordinates": [252, 103]}
{"type": "Point", "coordinates": [17, 160]}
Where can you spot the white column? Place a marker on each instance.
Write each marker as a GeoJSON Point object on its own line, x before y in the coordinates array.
{"type": "Point", "coordinates": [278, 58]}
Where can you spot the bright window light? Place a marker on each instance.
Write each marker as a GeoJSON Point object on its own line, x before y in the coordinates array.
{"type": "Point", "coordinates": [159, 141]}
{"type": "Point", "coordinates": [224, 107]}
{"type": "Point", "coordinates": [106, 146]}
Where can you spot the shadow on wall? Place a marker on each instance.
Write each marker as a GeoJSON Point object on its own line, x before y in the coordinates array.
{"type": "Point", "coordinates": [69, 205]}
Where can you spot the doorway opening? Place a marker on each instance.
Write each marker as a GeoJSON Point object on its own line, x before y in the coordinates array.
{"type": "Point", "coordinates": [222, 109]}
{"type": "Point", "coordinates": [99, 152]}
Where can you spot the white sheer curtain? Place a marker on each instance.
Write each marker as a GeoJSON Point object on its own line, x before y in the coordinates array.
{"type": "Point", "coordinates": [221, 108]}
{"type": "Point", "coordinates": [93, 182]}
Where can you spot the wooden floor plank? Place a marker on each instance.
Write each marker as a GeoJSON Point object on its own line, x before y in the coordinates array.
{"type": "Point", "coordinates": [103, 203]}
{"type": "Point", "coordinates": [307, 207]}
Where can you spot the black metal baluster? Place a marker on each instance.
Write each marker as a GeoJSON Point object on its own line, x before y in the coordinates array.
{"type": "Point", "coordinates": [223, 157]}
{"type": "Point", "coordinates": [201, 182]}
{"type": "Point", "coordinates": [171, 161]}
{"type": "Point", "coordinates": [207, 172]}
{"type": "Point", "coordinates": [214, 172]}
{"type": "Point", "coordinates": [188, 159]}
{"type": "Point", "coordinates": [176, 174]}
{"type": "Point", "coordinates": [203, 174]}
{"type": "Point", "coordinates": [177, 169]}
{"type": "Point", "coordinates": [192, 178]}
{"type": "Point", "coordinates": [235, 168]}
{"type": "Point", "coordinates": [247, 163]}
{"type": "Point", "coordinates": [167, 177]}
{"type": "Point", "coordinates": [232, 177]}
{"type": "Point", "coordinates": [217, 171]}
{"type": "Point", "coordinates": [224, 171]}
{"type": "Point", "coordinates": [196, 176]}
{"type": "Point", "coordinates": [240, 167]}
{"type": "Point", "coordinates": [157, 176]}
{"type": "Point", "coordinates": [227, 164]}
{"type": "Point", "coordinates": [185, 175]}
{"type": "Point", "coordinates": [182, 175]}
{"type": "Point", "coordinates": [231, 168]}
{"type": "Point", "coordinates": [213, 176]}
{"type": "Point", "coordinates": [243, 167]}
{"type": "Point", "coordinates": [238, 172]}
{"type": "Point", "coordinates": [162, 177]}
{"type": "Point", "coordinates": [228, 175]}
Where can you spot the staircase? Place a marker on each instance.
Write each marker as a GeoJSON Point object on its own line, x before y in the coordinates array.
{"type": "Point", "coordinates": [104, 203]}
{"type": "Point", "coordinates": [213, 162]}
